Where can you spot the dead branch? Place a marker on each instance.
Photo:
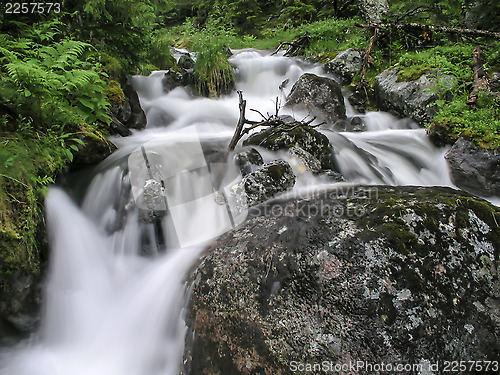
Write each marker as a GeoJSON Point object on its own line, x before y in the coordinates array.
{"type": "Point", "coordinates": [239, 125]}
{"type": "Point", "coordinates": [480, 83]}
{"type": "Point", "coordinates": [366, 56]}
{"type": "Point", "coordinates": [443, 29]}
{"type": "Point", "coordinates": [271, 120]}
{"type": "Point", "coordinates": [294, 47]}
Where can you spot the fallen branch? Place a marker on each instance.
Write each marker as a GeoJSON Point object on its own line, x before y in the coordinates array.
{"type": "Point", "coordinates": [239, 125]}
{"type": "Point", "coordinates": [366, 55]}
{"type": "Point", "coordinates": [443, 29]}
{"type": "Point", "coordinates": [271, 120]}
{"type": "Point", "coordinates": [294, 47]}
{"type": "Point", "coordinates": [480, 83]}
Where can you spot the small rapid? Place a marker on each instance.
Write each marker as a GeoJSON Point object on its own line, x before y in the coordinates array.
{"type": "Point", "coordinates": [115, 290]}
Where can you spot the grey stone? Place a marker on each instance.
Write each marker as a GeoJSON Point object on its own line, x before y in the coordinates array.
{"type": "Point", "coordinates": [185, 62]}
{"type": "Point", "coordinates": [495, 82]}
{"type": "Point", "coordinates": [346, 64]}
{"type": "Point", "coordinates": [266, 182]}
{"type": "Point", "coordinates": [321, 97]}
{"type": "Point", "coordinates": [248, 160]}
{"type": "Point", "coordinates": [413, 99]}
{"type": "Point", "coordinates": [172, 80]}
{"type": "Point", "coordinates": [473, 168]}
{"type": "Point", "coordinates": [374, 274]}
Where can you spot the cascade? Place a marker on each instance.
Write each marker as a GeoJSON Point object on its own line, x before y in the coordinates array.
{"type": "Point", "coordinates": [114, 293]}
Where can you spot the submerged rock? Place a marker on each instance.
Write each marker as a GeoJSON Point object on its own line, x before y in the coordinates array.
{"type": "Point", "coordinates": [374, 274]}
{"type": "Point", "coordinates": [474, 169]}
{"type": "Point", "coordinates": [346, 64]}
{"type": "Point", "coordinates": [413, 99]}
{"type": "Point", "coordinates": [321, 97]}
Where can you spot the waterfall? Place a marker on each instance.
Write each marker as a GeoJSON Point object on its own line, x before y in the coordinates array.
{"type": "Point", "coordinates": [115, 288]}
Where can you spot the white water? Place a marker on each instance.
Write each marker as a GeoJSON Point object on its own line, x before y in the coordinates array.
{"type": "Point", "coordinates": [114, 293]}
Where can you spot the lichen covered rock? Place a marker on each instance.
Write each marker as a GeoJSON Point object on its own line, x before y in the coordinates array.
{"type": "Point", "coordinates": [414, 99]}
{"type": "Point", "coordinates": [346, 64]}
{"type": "Point", "coordinates": [374, 274]}
{"type": "Point", "coordinates": [266, 182]}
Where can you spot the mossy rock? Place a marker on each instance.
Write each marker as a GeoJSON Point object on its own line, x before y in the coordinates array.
{"type": "Point", "coordinates": [361, 273]}
{"type": "Point", "coordinates": [295, 135]}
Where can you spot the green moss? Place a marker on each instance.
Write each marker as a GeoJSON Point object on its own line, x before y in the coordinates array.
{"type": "Point", "coordinates": [411, 73]}
{"type": "Point", "coordinates": [26, 164]}
{"type": "Point", "coordinates": [480, 124]}
{"type": "Point", "coordinates": [114, 92]}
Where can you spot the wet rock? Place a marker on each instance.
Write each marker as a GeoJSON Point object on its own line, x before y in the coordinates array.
{"type": "Point", "coordinates": [473, 168]}
{"type": "Point", "coordinates": [346, 64]}
{"type": "Point", "coordinates": [360, 98]}
{"type": "Point", "coordinates": [353, 125]}
{"type": "Point", "coordinates": [248, 160]}
{"type": "Point", "coordinates": [440, 135]}
{"type": "Point", "coordinates": [374, 274]}
{"type": "Point", "coordinates": [122, 111]}
{"type": "Point", "coordinates": [413, 99]}
{"type": "Point", "coordinates": [19, 305]}
{"type": "Point", "coordinates": [298, 136]}
{"type": "Point", "coordinates": [127, 113]}
{"type": "Point", "coordinates": [172, 80]}
{"type": "Point", "coordinates": [185, 62]}
{"type": "Point", "coordinates": [321, 97]}
{"type": "Point", "coordinates": [95, 149]}
{"type": "Point", "coordinates": [137, 119]}
{"type": "Point", "coordinates": [266, 182]}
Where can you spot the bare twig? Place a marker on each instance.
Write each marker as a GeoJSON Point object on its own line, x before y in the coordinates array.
{"type": "Point", "coordinates": [259, 112]}
{"type": "Point", "coordinates": [239, 125]}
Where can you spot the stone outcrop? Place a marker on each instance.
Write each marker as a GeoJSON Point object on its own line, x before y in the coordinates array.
{"type": "Point", "coordinates": [346, 64]}
{"type": "Point", "coordinates": [372, 274]}
{"type": "Point", "coordinates": [413, 99]}
{"type": "Point", "coordinates": [473, 168]}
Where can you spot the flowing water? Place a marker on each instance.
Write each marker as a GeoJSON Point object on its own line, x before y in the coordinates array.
{"type": "Point", "coordinates": [115, 288]}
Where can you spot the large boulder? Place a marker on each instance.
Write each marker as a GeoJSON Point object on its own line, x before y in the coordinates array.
{"type": "Point", "coordinates": [413, 99]}
{"type": "Point", "coordinates": [473, 168]}
{"type": "Point", "coordinates": [346, 64]}
{"type": "Point", "coordinates": [321, 97]}
{"type": "Point", "coordinates": [364, 276]}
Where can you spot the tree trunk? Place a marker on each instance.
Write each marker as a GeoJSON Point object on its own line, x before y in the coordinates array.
{"type": "Point", "coordinates": [373, 10]}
